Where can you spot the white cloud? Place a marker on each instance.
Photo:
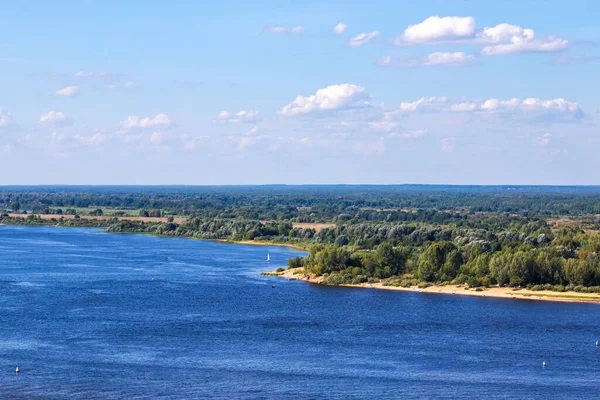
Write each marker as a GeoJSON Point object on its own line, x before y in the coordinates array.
{"type": "Point", "coordinates": [156, 138]}
{"type": "Point", "coordinates": [363, 38]}
{"type": "Point", "coordinates": [369, 148]}
{"type": "Point", "coordinates": [502, 39]}
{"type": "Point", "coordinates": [69, 91]}
{"type": "Point", "coordinates": [383, 126]}
{"type": "Point", "coordinates": [340, 28]}
{"type": "Point", "coordinates": [251, 131]}
{"type": "Point", "coordinates": [133, 121]}
{"type": "Point", "coordinates": [112, 87]}
{"type": "Point", "coordinates": [533, 106]}
{"type": "Point", "coordinates": [93, 140]}
{"type": "Point", "coordinates": [132, 138]}
{"type": "Point", "coordinates": [6, 119]}
{"type": "Point", "coordinates": [530, 107]}
{"type": "Point", "coordinates": [247, 116]}
{"type": "Point", "coordinates": [129, 84]}
{"type": "Point", "coordinates": [190, 143]}
{"type": "Point", "coordinates": [245, 141]}
{"type": "Point", "coordinates": [275, 29]}
{"type": "Point", "coordinates": [457, 59]}
{"type": "Point", "coordinates": [283, 29]}
{"type": "Point", "coordinates": [425, 103]}
{"type": "Point", "coordinates": [408, 135]}
{"type": "Point", "coordinates": [305, 141]}
{"type": "Point", "coordinates": [543, 140]}
{"type": "Point", "coordinates": [463, 107]}
{"type": "Point", "coordinates": [57, 118]}
{"type": "Point", "coordinates": [333, 97]}
{"type": "Point", "coordinates": [447, 145]}
{"type": "Point", "coordinates": [57, 137]}
{"type": "Point", "coordinates": [93, 75]}
{"type": "Point", "coordinates": [507, 39]}
{"type": "Point", "coordinates": [437, 29]}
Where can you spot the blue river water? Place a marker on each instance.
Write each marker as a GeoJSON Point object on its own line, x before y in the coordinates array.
{"type": "Point", "coordinates": [90, 315]}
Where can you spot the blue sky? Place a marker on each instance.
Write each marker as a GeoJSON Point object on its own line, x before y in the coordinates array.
{"type": "Point", "coordinates": [237, 92]}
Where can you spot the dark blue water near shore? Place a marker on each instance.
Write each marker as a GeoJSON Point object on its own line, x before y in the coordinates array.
{"type": "Point", "coordinates": [82, 317]}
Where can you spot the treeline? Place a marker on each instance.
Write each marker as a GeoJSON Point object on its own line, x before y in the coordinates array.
{"type": "Point", "coordinates": [340, 204]}
{"type": "Point", "coordinates": [568, 259]}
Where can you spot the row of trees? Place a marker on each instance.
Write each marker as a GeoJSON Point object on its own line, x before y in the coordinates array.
{"type": "Point", "coordinates": [339, 204]}
{"type": "Point", "coordinates": [571, 258]}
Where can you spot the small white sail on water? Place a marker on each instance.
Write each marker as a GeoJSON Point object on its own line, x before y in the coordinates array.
{"type": "Point", "coordinates": [268, 258]}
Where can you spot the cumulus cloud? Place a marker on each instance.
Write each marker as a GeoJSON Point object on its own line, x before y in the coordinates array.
{"type": "Point", "coordinates": [533, 106]}
{"type": "Point", "coordinates": [248, 116]}
{"type": "Point", "coordinates": [457, 59]}
{"type": "Point", "coordinates": [6, 119]}
{"type": "Point", "coordinates": [133, 121]}
{"type": "Point", "coordinates": [69, 91]}
{"type": "Point", "coordinates": [363, 38]}
{"type": "Point", "coordinates": [425, 104]}
{"type": "Point", "coordinates": [437, 29]}
{"type": "Point", "coordinates": [340, 28]}
{"type": "Point", "coordinates": [334, 97]}
{"type": "Point", "coordinates": [502, 39]}
{"type": "Point", "coordinates": [57, 118]}
{"type": "Point", "coordinates": [507, 39]}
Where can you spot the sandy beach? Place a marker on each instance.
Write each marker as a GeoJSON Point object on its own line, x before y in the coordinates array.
{"type": "Point", "coordinates": [462, 290]}
{"type": "Point", "coordinates": [252, 242]}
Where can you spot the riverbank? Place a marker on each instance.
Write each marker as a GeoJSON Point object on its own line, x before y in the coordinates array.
{"type": "Point", "coordinates": [461, 290]}
{"type": "Point", "coordinates": [252, 242]}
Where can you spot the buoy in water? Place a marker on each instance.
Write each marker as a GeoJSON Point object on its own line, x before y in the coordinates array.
{"type": "Point", "coordinates": [544, 364]}
{"type": "Point", "coordinates": [597, 343]}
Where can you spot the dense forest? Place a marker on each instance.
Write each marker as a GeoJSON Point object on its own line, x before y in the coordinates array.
{"type": "Point", "coordinates": [539, 237]}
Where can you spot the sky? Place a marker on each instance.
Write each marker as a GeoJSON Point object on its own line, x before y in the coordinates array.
{"type": "Point", "coordinates": [294, 92]}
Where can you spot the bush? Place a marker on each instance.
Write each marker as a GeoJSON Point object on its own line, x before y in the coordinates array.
{"type": "Point", "coordinates": [279, 270]}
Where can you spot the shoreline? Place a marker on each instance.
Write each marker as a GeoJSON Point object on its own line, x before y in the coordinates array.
{"type": "Point", "coordinates": [252, 242]}
{"type": "Point", "coordinates": [455, 290]}
{"type": "Point", "coordinates": [105, 230]}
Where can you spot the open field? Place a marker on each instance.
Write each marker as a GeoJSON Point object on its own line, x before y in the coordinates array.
{"type": "Point", "coordinates": [309, 225]}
